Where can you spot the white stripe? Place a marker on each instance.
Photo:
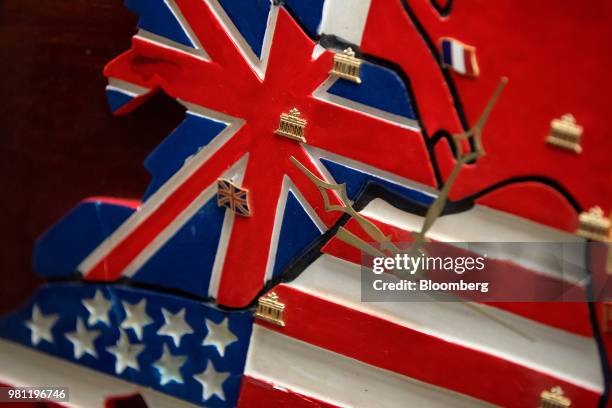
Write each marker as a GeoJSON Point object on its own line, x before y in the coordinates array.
{"type": "Point", "coordinates": [176, 12]}
{"type": "Point", "coordinates": [345, 19]}
{"type": "Point", "coordinates": [259, 65]}
{"type": "Point", "coordinates": [123, 91]}
{"type": "Point", "coordinates": [164, 42]}
{"type": "Point", "coordinates": [312, 371]}
{"type": "Point", "coordinates": [564, 355]}
{"type": "Point", "coordinates": [127, 87]}
{"type": "Point", "coordinates": [278, 220]}
{"type": "Point", "coordinates": [484, 224]}
{"type": "Point", "coordinates": [24, 367]}
{"type": "Point", "coordinates": [149, 207]}
{"type": "Point", "coordinates": [321, 94]}
{"type": "Point", "coordinates": [197, 50]}
{"type": "Point", "coordinates": [458, 59]}
{"type": "Point", "coordinates": [317, 51]}
{"type": "Point", "coordinates": [226, 233]}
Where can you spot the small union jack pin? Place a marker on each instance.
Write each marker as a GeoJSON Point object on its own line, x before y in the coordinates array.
{"type": "Point", "coordinates": [233, 197]}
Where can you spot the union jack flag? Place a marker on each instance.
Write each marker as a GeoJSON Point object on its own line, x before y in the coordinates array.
{"type": "Point", "coordinates": [228, 136]}
{"type": "Point", "coordinates": [232, 197]}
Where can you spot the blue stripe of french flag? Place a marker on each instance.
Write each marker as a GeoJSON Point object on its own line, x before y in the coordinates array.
{"type": "Point", "coordinates": [458, 56]}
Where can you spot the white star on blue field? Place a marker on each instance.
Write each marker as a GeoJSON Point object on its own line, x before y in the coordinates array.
{"type": "Point", "coordinates": [188, 349]}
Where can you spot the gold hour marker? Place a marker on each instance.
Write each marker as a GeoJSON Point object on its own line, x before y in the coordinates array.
{"type": "Point", "coordinates": [291, 125]}
{"type": "Point", "coordinates": [270, 309]}
{"type": "Point", "coordinates": [565, 133]}
{"type": "Point", "coordinates": [346, 66]}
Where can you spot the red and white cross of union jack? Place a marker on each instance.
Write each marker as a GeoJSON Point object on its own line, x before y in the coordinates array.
{"type": "Point", "coordinates": [226, 82]}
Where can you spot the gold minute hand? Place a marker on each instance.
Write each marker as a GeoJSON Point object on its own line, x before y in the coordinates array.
{"type": "Point", "coordinates": [436, 208]}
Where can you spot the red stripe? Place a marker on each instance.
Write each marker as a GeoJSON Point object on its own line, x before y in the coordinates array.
{"type": "Point", "coordinates": [388, 345]}
{"type": "Point", "coordinates": [124, 202]}
{"type": "Point", "coordinates": [468, 61]}
{"type": "Point", "coordinates": [258, 393]}
{"type": "Point", "coordinates": [570, 316]}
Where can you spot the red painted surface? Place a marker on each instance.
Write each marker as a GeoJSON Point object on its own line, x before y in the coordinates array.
{"type": "Point", "coordinates": [552, 53]}
{"type": "Point", "coordinates": [257, 393]}
{"type": "Point", "coordinates": [385, 344]}
{"type": "Point", "coordinates": [390, 34]}
{"type": "Point", "coordinates": [539, 203]}
{"type": "Point", "coordinates": [471, 65]}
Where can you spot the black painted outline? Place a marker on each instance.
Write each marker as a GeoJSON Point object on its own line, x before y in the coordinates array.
{"type": "Point", "coordinates": [443, 11]}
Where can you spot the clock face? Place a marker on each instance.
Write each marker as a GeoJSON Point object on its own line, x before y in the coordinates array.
{"type": "Point", "coordinates": [316, 132]}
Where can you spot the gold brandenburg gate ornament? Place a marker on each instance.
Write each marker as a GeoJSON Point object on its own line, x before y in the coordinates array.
{"type": "Point", "coordinates": [291, 125]}
{"type": "Point", "coordinates": [270, 309]}
{"type": "Point", "coordinates": [593, 225]}
{"type": "Point", "coordinates": [554, 399]}
{"type": "Point", "coordinates": [347, 66]}
{"type": "Point", "coordinates": [565, 133]}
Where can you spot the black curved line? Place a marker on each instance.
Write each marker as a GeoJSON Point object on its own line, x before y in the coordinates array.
{"type": "Point", "coordinates": [444, 11]}
{"type": "Point", "coordinates": [436, 55]}
{"type": "Point", "coordinates": [372, 190]}
{"type": "Point", "coordinates": [431, 148]}
{"type": "Point", "coordinates": [332, 41]}
{"type": "Point", "coordinates": [520, 179]}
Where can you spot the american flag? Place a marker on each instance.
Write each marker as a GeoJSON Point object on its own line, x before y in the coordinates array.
{"type": "Point", "coordinates": [189, 350]}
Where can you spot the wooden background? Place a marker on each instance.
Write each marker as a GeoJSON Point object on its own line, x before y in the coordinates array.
{"type": "Point", "coordinates": [58, 141]}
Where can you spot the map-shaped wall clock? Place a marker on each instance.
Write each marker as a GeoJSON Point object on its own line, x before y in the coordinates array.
{"type": "Point", "coordinates": [235, 279]}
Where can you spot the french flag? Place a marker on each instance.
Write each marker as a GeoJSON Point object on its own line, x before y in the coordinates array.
{"type": "Point", "coordinates": [460, 57]}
